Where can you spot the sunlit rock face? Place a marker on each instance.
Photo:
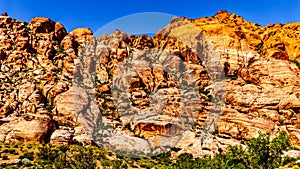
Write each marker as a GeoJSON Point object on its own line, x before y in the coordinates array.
{"type": "Point", "coordinates": [37, 64]}
{"type": "Point", "coordinates": [200, 85]}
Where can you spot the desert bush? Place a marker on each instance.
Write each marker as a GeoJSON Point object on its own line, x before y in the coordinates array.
{"type": "Point", "coordinates": [5, 157]}
{"type": "Point", "coordinates": [26, 162]}
{"type": "Point", "coordinates": [261, 152]}
{"type": "Point", "coordinates": [28, 155]}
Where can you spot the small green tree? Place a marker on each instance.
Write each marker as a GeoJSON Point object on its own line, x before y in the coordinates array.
{"type": "Point", "coordinates": [265, 153]}
{"type": "Point", "coordinates": [261, 153]}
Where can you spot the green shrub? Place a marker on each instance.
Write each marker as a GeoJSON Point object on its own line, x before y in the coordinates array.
{"type": "Point", "coordinates": [5, 157]}
{"type": "Point", "coordinates": [296, 62]}
{"type": "Point", "coordinates": [5, 150]}
{"type": "Point", "coordinates": [26, 162]}
{"type": "Point", "coordinates": [261, 153]}
{"type": "Point", "coordinates": [28, 155]}
{"type": "Point", "coordinates": [46, 153]}
{"type": "Point", "coordinates": [12, 151]}
{"type": "Point", "coordinates": [82, 158]}
{"type": "Point", "coordinates": [64, 157]}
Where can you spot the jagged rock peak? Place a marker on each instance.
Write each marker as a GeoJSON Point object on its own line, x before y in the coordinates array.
{"type": "Point", "coordinates": [4, 14]}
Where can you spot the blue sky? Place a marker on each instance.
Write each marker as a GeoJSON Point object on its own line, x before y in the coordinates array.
{"type": "Point", "coordinates": [96, 14]}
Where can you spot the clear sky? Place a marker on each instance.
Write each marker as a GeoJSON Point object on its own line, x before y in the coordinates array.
{"type": "Point", "coordinates": [96, 13]}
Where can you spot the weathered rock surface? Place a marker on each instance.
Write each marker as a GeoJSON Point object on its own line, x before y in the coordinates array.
{"type": "Point", "coordinates": [123, 142]}
{"type": "Point", "coordinates": [199, 85]}
{"type": "Point", "coordinates": [62, 135]}
{"type": "Point", "coordinates": [75, 108]}
{"type": "Point", "coordinates": [28, 128]}
{"type": "Point", "coordinates": [37, 64]}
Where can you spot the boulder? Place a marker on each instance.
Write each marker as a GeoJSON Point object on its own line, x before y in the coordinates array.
{"type": "Point", "coordinates": [123, 142]}
{"type": "Point", "coordinates": [61, 136]}
{"type": "Point", "coordinates": [81, 35]}
{"type": "Point", "coordinates": [41, 25]}
{"type": "Point", "coordinates": [31, 128]}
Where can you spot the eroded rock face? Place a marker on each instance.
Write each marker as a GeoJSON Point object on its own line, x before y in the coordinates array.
{"type": "Point", "coordinates": [281, 41]}
{"type": "Point", "coordinates": [37, 64]}
{"type": "Point", "coordinates": [66, 88]}
{"type": "Point", "coordinates": [75, 108]}
{"type": "Point", "coordinates": [62, 135]}
{"type": "Point", "coordinates": [29, 128]}
{"type": "Point", "coordinates": [261, 88]}
{"type": "Point", "coordinates": [82, 35]}
{"type": "Point", "coordinates": [124, 142]}
{"type": "Point", "coordinates": [60, 31]}
{"type": "Point", "coordinates": [238, 40]}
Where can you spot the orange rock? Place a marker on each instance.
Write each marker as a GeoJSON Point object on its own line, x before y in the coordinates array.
{"type": "Point", "coordinates": [41, 25]}
{"type": "Point", "coordinates": [222, 15]}
{"type": "Point", "coordinates": [60, 31]}
{"type": "Point", "coordinates": [283, 37]}
{"type": "Point", "coordinates": [31, 128]}
{"type": "Point", "coordinates": [262, 88]}
{"type": "Point", "coordinates": [82, 34]}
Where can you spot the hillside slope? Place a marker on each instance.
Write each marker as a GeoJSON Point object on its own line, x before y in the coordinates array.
{"type": "Point", "coordinates": [200, 84]}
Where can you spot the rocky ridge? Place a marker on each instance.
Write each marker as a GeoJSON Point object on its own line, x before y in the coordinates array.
{"type": "Point", "coordinates": [61, 88]}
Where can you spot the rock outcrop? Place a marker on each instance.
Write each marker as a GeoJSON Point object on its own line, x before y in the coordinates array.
{"type": "Point", "coordinates": [37, 64]}
{"type": "Point", "coordinates": [199, 85]}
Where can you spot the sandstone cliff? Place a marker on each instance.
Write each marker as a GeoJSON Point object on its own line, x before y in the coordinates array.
{"type": "Point", "coordinates": [200, 85]}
